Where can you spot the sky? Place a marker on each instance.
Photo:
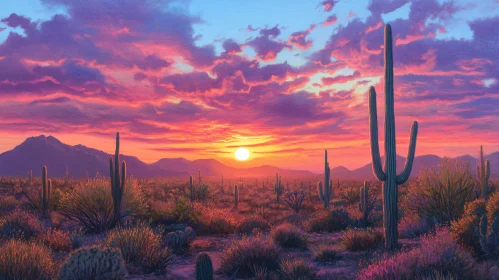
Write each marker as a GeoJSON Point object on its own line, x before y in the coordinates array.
{"type": "Point", "coordinates": [285, 79]}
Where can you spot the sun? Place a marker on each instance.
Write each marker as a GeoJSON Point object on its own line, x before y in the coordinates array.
{"type": "Point", "coordinates": [242, 154]}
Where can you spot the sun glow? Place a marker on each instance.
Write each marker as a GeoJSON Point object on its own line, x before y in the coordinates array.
{"type": "Point", "coordinates": [242, 154]}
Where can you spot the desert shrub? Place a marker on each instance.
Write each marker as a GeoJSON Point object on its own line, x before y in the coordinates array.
{"type": "Point", "coordinates": [251, 224]}
{"type": "Point", "coordinates": [56, 239]}
{"type": "Point", "coordinates": [492, 206]}
{"type": "Point", "coordinates": [176, 211]}
{"type": "Point", "coordinates": [202, 192]}
{"type": "Point", "coordinates": [216, 221]}
{"type": "Point", "coordinates": [297, 269]}
{"type": "Point", "coordinates": [442, 192]}
{"type": "Point", "coordinates": [329, 221]}
{"type": "Point", "coordinates": [412, 226]}
{"type": "Point", "coordinates": [23, 260]}
{"type": "Point", "coordinates": [19, 224]}
{"type": "Point", "coordinates": [241, 257]}
{"type": "Point", "coordinates": [289, 236]}
{"type": "Point", "coordinates": [294, 200]}
{"type": "Point", "coordinates": [465, 230]}
{"type": "Point", "coordinates": [436, 275]}
{"type": "Point", "coordinates": [361, 239]}
{"type": "Point", "coordinates": [437, 252]}
{"type": "Point", "coordinates": [326, 253]}
{"type": "Point", "coordinates": [76, 237]}
{"type": "Point", "coordinates": [141, 246]}
{"type": "Point", "coordinates": [91, 204]}
{"type": "Point", "coordinates": [475, 208]}
{"type": "Point", "coordinates": [7, 204]}
{"type": "Point", "coordinates": [351, 195]}
{"type": "Point", "coordinates": [94, 263]}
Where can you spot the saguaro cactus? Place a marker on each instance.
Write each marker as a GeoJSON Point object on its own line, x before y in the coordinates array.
{"type": "Point", "coordinates": [191, 189]}
{"type": "Point", "coordinates": [204, 267]}
{"type": "Point", "coordinates": [30, 177]}
{"type": "Point", "coordinates": [45, 191]}
{"type": "Point", "coordinates": [278, 188]}
{"type": "Point", "coordinates": [236, 196]}
{"type": "Point", "coordinates": [483, 174]}
{"type": "Point", "coordinates": [326, 193]}
{"type": "Point", "coordinates": [389, 176]}
{"type": "Point", "coordinates": [364, 206]}
{"type": "Point", "coordinates": [490, 242]}
{"type": "Point", "coordinates": [117, 180]}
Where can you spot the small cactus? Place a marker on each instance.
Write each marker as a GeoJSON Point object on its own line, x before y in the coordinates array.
{"type": "Point", "coordinates": [490, 242]}
{"type": "Point", "coordinates": [364, 205]}
{"type": "Point", "coordinates": [94, 263]}
{"type": "Point", "coordinates": [327, 193]}
{"type": "Point", "coordinates": [278, 188]}
{"type": "Point", "coordinates": [117, 180]}
{"type": "Point", "coordinates": [45, 192]}
{"type": "Point", "coordinates": [204, 267]}
{"type": "Point", "coordinates": [191, 188]}
{"type": "Point", "coordinates": [236, 196]}
{"type": "Point", "coordinates": [483, 174]}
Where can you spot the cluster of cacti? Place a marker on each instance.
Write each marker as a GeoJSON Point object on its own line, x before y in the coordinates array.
{"type": "Point", "coordinates": [327, 193]}
{"type": "Point", "coordinates": [46, 191]}
{"type": "Point", "coordinates": [389, 176]}
{"type": "Point", "coordinates": [117, 180]}
{"type": "Point", "coordinates": [180, 238]}
{"type": "Point", "coordinates": [94, 263]}
{"type": "Point", "coordinates": [364, 206]}
{"type": "Point", "coordinates": [483, 174]}
{"type": "Point", "coordinates": [489, 241]}
{"type": "Point", "coordinates": [204, 267]}
{"type": "Point", "coordinates": [236, 196]}
{"type": "Point", "coordinates": [278, 188]}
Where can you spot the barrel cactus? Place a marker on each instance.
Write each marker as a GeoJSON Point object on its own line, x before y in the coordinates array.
{"type": "Point", "coordinates": [94, 263]}
{"type": "Point", "coordinates": [180, 239]}
{"type": "Point", "coordinates": [204, 267]}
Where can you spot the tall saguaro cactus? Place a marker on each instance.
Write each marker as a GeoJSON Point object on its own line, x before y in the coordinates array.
{"type": "Point", "coordinates": [389, 176]}
{"type": "Point", "coordinates": [191, 189]}
{"type": "Point", "coordinates": [117, 180]}
{"type": "Point", "coordinates": [45, 191]}
{"type": "Point", "coordinates": [483, 174]}
{"type": "Point", "coordinates": [326, 194]}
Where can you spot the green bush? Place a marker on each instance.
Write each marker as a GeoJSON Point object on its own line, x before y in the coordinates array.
{"type": "Point", "coordinates": [141, 246]}
{"type": "Point", "coordinates": [442, 192]}
{"type": "Point", "coordinates": [23, 260]}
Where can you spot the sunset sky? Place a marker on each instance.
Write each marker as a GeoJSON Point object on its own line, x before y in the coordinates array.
{"type": "Point", "coordinates": [285, 79]}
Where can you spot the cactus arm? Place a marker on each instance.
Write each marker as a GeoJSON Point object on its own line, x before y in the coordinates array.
{"type": "Point", "coordinates": [373, 122]}
{"type": "Point", "coordinates": [402, 177]}
{"type": "Point", "coordinates": [319, 188]}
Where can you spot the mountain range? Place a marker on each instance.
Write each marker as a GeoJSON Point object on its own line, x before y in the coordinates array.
{"type": "Point", "coordinates": [83, 161]}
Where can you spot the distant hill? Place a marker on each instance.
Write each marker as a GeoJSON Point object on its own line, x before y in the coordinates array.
{"type": "Point", "coordinates": [80, 160]}
{"type": "Point", "coordinates": [41, 150]}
